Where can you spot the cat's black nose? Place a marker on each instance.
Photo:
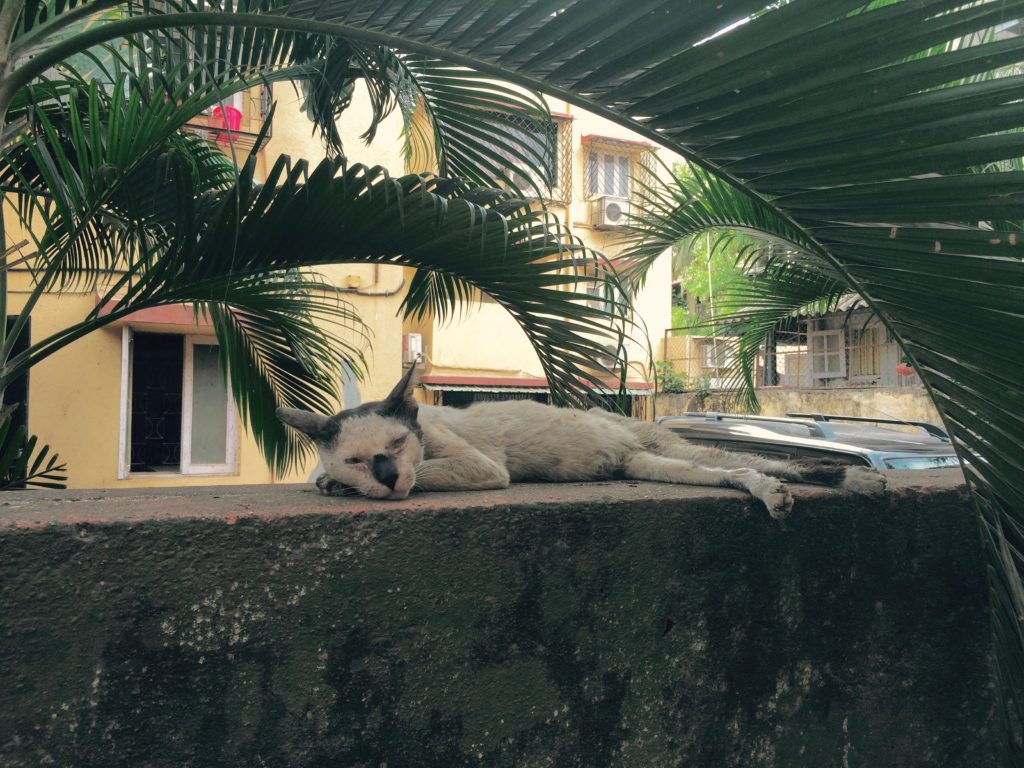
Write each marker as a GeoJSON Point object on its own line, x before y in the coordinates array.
{"type": "Point", "coordinates": [385, 470]}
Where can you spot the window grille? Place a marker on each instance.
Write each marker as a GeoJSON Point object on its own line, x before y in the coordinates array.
{"type": "Point", "coordinates": [865, 352]}
{"type": "Point", "coordinates": [563, 191]}
{"type": "Point", "coordinates": [530, 137]}
{"type": "Point", "coordinates": [617, 168]}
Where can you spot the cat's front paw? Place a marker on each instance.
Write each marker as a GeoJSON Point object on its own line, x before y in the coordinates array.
{"type": "Point", "coordinates": [330, 487]}
{"type": "Point", "coordinates": [779, 501]}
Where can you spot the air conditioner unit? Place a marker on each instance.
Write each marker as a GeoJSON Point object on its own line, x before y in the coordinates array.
{"type": "Point", "coordinates": [609, 212]}
{"type": "Point", "coordinates": [412, 348]}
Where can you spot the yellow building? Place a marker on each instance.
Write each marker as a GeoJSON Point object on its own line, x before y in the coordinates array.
{"type": "Point", "coordinates": [89, 400]}
{"type": "Point", "coordinates": [483, 354]}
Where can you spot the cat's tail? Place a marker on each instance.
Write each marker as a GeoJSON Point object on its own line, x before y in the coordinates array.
{"type": "Point", "coordinates": [834, 474]}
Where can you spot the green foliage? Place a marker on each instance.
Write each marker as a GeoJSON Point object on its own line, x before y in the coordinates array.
{"type": "Point", "coordinates": [681, 319]}
{"type": "Point", "coordinates": [702, 389]}
{"type": "Point", "coordinates": [118, 197]}
{"type": "Point", "coordinates": [871, 140]}
{"type": "Point", "coordinates": [708, 263]}
{"type": "Point", "coordinates": [710, 271]}
{"type": "Point", "coordinates": [668, 380]}
{"type": "Point", "coordinates": [22, 464]}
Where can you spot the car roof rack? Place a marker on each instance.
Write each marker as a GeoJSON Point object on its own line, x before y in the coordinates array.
{"type": "Point", "coordinates": [814, 425]}
{"type": "Point", "coordinates": [931, 429]}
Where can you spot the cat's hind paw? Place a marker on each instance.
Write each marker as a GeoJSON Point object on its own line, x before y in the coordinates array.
{"type": "Point", "coordinates": [865, 481]}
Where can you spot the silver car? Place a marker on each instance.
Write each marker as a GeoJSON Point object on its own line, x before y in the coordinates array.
{"type": "Point", "coordinates": [878, 443]}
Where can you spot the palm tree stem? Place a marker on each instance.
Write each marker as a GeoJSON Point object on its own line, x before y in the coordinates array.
{"type": "Point", "coordinates": [3, 296]}
{"type": "Point", "coordinates": [8, 19]}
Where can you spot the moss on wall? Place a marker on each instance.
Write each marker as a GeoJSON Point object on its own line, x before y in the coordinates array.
{"type": "Point", "coordinates": [622, 627]}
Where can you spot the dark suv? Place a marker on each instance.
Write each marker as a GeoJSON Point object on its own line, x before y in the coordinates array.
{"type": "Point", "coordinates": [878, 443]}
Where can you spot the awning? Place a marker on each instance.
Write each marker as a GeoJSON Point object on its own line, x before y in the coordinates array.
{"type": "Point", "coordinates": [594, 138]}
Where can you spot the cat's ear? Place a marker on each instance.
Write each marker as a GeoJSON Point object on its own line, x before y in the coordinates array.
{"type": "Point", "coordinates": [400, 404]}
{"type": "Point", "coordinates": [318, 427]}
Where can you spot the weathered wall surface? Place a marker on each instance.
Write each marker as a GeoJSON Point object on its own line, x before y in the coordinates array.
{"type": "Point", "coordinates": [873, 402]}
{"type": "Point", "coordinates": [616, 624]}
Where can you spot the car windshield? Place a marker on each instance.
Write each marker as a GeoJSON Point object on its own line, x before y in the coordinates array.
{"type": "Point", "coordinates": [921, 462]}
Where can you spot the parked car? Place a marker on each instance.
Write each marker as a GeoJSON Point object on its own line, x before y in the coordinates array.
{"type": "Point", "coordinates": [878, 443]}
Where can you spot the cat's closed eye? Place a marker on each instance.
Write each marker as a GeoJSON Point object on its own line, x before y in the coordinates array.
{"type": "Point", "coordinates": [354, 460]}
{"type": "Point", "coordinates": [397, 444]}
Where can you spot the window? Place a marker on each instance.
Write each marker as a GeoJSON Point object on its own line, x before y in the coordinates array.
{"type": "Point", "coordinates": [717, 355]}
{"type": "Point", "coordinates": [177, 413]}
{"type": "Point", "coordinates": [865, 352]}
{"type": "Point", "coordinates": [604, 295]}
{"type": "Point", "coordinates": [608, 173]}
{"type": "Point", "coordinates": [616, 166]}
{"type": "Point", "coordinates": [827, 359]}
{"type": "Point", "coordinates": [534, 139]}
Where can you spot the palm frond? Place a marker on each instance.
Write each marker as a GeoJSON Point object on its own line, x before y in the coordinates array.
{"type": "Point", "coordinates": [751, 309]}
{"type": "Point", "coordinates": [275, 351]}
{"type": "Point", "coordinates": [843, 120]}
{"type": "Point", "coordinates": [278, 349]}
{"type": "Point", "coordinates": [485, 132]}
{"type": "Point", "coordinates": [861, 126]}
{"type": "Point", "coordinates": [22, 464]}
{"type": "Point", "coordinates": [785, 276]}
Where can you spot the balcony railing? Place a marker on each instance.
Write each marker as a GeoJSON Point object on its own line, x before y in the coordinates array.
{"type": "Point", "coordinates": [798, 365]}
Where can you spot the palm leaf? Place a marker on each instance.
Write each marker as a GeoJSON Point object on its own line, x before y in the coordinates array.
{"type": "Point", "coordinates": [788, 277]}
{"type": "Point", "coordinates": [842, 120]}
{"type": "Point", "coordinates": [466, 140]}
{"type": "Point", "coordinates": [22, 465]}
{"type": "Point", "coordinates": [276, 354]}
{"type": "Point", "coordinates": [831, 114]}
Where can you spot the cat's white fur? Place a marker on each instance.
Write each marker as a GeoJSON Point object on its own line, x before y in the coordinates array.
{"type": "Point", "coordinates": [383, 450]}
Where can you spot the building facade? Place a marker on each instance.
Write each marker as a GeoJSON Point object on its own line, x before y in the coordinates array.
{"type": "Point", "coordinates": [142, 402]}
{"type": "Point", "coordinates": [483, 355]}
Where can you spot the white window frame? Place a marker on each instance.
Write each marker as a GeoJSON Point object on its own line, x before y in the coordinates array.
{"type": "Point", "coordinates": [840, 352]}
{"type": "Point", "coordinates": [186, 467]}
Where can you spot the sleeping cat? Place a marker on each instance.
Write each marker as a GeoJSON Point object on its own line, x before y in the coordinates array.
{"type": "Point", "coordinates": [385, 449]}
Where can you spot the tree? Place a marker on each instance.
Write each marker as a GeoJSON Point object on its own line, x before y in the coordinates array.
{"type": "Point", "coordinates": [856, 127]}
{"type": "Point", "coordinates": [119, 198]}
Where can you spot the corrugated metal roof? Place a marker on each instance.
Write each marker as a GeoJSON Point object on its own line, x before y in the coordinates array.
{"type": "Point", "coordinates": [525, 390]}
{"type": "Point", "coordinates": [472, 388]}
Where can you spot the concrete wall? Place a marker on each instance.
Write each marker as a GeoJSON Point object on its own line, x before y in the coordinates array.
{"type": "Point", "coordinates": [609, 624]}
{"type": "Point", "coordinates": [872, 402]}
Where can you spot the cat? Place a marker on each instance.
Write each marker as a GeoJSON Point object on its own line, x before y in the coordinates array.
{"type": "Point", "coordinates": [385, 449]}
